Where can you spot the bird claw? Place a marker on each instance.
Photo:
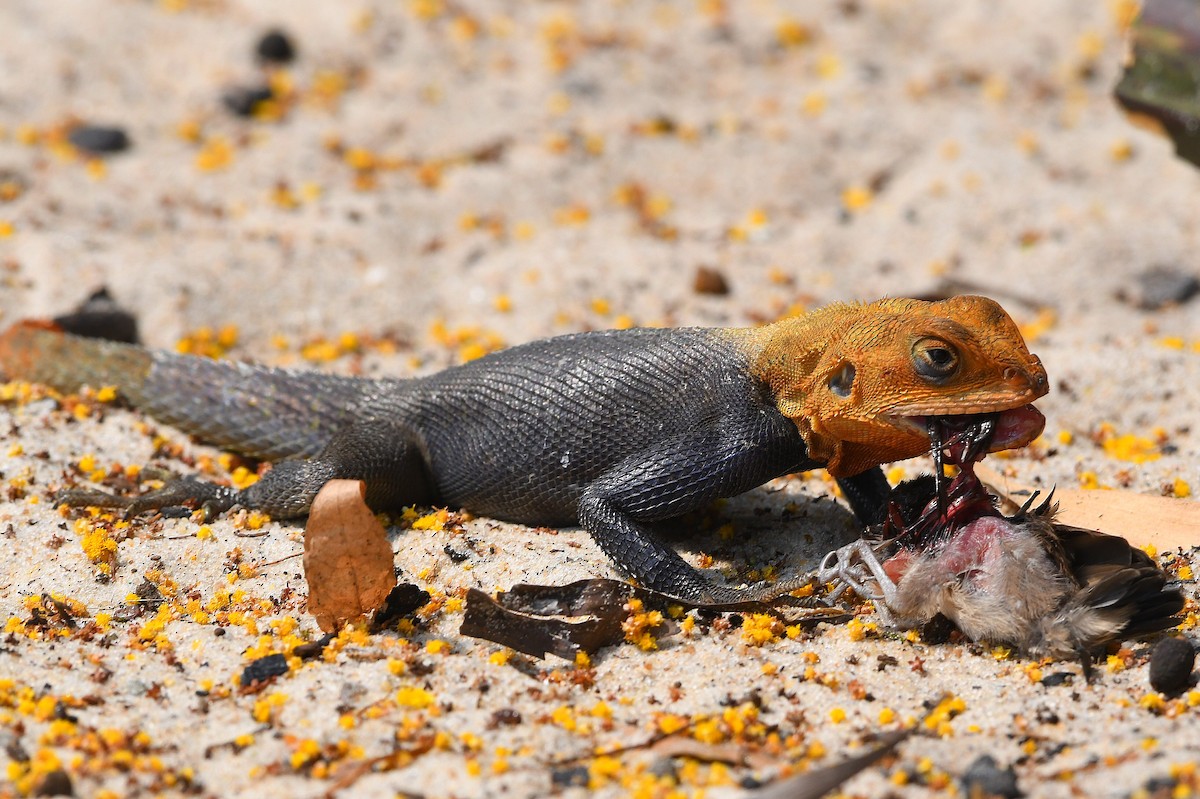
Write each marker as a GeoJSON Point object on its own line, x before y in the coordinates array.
{"type": "Point", "coordinates": [856, 566]}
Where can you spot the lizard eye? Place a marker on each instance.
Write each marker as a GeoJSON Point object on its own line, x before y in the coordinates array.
{"type": "Point", "coordinates": [934, 359]}
{"type": "Point", "coordinates": [842, 380]}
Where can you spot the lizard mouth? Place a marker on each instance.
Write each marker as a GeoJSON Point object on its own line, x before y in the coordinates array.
{"type": "Point", "coordinates": [972, 435]}
{"type": "Point", "coordinates": [963, 439]}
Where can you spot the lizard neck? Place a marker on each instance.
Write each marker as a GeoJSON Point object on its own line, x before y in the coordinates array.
{"type": "Point", "coordinates": [785, 356]}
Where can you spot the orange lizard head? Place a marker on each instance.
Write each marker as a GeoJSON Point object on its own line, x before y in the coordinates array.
{"type": "Point", "coordinates": [860, 381]}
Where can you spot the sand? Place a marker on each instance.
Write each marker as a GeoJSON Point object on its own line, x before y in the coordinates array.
{"type": "Point", "coordinates": [438, 179]}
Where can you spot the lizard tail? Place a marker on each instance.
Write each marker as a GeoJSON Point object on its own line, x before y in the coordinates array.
{"type": "Point", "coordinates": [40, 352]}
{"type": "Point", "coordinates": [257, 411]}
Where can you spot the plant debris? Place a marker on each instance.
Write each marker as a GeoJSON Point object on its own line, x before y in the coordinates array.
{"type": "Point", "coordinates": [1160, 88]}
{"type": "Point", "coordinates": [401, 601]}
{"type": "Point", "coordinates": [347, 559]}
{"type": "Point", "coordinates": [524, 618]}
{"type": "Point", "coordinates": [819, 782]}
{"type": "Point", "coordinates": [533, 619]}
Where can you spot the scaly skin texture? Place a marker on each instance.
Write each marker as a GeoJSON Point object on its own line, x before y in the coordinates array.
{"type": "Point", "coordinates": [613, 430]}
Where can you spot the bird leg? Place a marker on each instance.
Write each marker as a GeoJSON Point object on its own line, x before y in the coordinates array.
{"type": "Point", "coordinates": [855, 566]}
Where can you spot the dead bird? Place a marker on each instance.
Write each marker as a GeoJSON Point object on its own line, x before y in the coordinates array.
{"type": "Point", "coordinates": [1048, 589]}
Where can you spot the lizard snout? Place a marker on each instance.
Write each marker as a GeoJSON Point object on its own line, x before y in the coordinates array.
{"type": "Point", "coordinates": [1034, 377]}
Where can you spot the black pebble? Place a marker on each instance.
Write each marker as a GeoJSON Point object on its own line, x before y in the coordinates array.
{"type": "Point", "coordinates": [56, 783]}
{"type": "Point", "coordinates": [570, 777]}
{"type": "Point", "coordinates": [98, 139]}
{"type": "Point", "coordinates": [244, 100]}
{"type": "Point", "coordinates": [937, 630]}
{"type": "Point", "coordinates": [1171, 663]}
{"type": "Point", "coordinates": [264, 669]}
{"type": "Point", "coordinates": [276, 47]}
{"type": "Point", "coordinates": [99, 316]}
{"type": "Point", "coordinates": [402, 600]}
{"type": "Point", "coordinates": [1160, 287]}
{"type": "Point", "coordinates": [1058, 678]}
{"type": "Point", "coordinates": [984, 777]}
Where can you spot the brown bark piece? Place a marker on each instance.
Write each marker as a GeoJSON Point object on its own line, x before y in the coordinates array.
{"type": "Point", "coordinates": [1141, 519]}
{"type": "Point", "coordinates": [347, 559]}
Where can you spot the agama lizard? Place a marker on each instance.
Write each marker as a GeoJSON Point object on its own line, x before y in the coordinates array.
{"type": "Point", "coordinates": [613, 431]}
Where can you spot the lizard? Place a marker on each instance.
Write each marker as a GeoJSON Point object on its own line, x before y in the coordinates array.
{"type": "Point", "coordinates": [611, 431]}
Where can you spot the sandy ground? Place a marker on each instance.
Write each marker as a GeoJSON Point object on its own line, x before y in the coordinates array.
{"type": "Point", "coordinates": [441, 178]}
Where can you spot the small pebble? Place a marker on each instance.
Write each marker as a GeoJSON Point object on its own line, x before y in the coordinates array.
{"type": "Point", "coordinates": [244, 100]}
{"type": "Point", "coordinates": [313, 649]}
{"type": "Point", "coordinates": [275, 47]}
{"type": "Point", "coordinates": [710, 281]}
{"type": "Point", "coordinates": [1171, 664]}
{"type": "Point", "coordinates": [505, 716]}
{"type": "Point", "coordinates": [100, 317]}
{"type": "Point", "coordinates": [985, 778]}
{"type": "Point", "coordinates": [148, 594]}
{"type": "Point", "coordinates": [98, 140]}
{"type": "Point", "coordinates": [264, 668]}
{"type": "Point", "coordinates": [1160, 287]}
{"type": "Point", "coordinates": [570, 777]}
{"type": "Point", "coordinates": [1058, 678]}
{"type": "Point", "coordinates": [56, 783]}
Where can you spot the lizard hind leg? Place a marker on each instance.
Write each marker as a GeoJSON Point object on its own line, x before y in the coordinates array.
{"type": "Point", "coordinates": [380, 453]}
{"type": "Point", "coordinates": [383, 454]}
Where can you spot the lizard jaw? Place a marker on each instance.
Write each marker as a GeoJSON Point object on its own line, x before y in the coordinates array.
{"type": "Point", "coordinates": [1015, 427]}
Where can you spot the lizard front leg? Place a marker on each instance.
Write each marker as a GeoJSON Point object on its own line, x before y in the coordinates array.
{"type": "Point", "coordinates": [668, 480]}
{"type": "Point", "coordinates": [867, 494]}
{"type": "Point", "coordinates": [381, 453]}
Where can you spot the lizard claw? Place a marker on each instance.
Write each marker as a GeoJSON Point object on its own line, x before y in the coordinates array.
{"type": "Point", "coordinates": [213, 499]}
{"type": "Point", "coordinates": [90, 497]}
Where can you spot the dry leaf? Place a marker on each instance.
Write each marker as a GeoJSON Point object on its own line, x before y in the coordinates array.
{"type": "Point", "coordinates": [347, 559]}
{"type": "Point", "coordinates": [819, 782]}
{"type": "Point", "coordinates": [1141, 519]}
{"type": "Point", "coordinates": [587, 614]}
{"type": "Point", "coordinates": [536, 632]}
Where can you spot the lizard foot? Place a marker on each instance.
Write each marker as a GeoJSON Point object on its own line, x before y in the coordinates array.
{"type": "Point", "coordinates": [856, 566]}
{"type": "Point", "coordinates": [175, 492]}
{"type": "Point", "coordinates": [760, 592]}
